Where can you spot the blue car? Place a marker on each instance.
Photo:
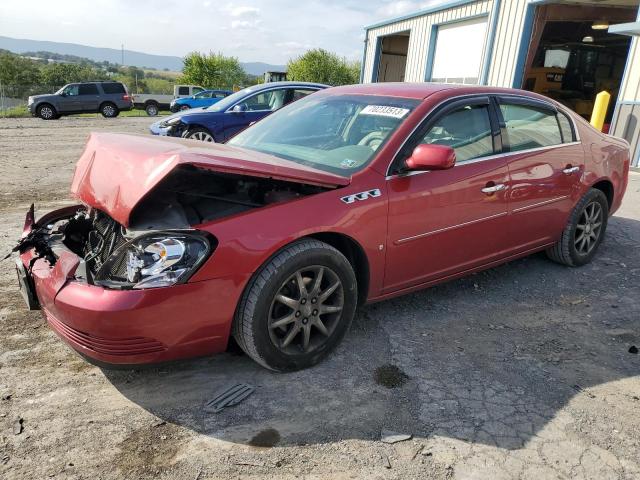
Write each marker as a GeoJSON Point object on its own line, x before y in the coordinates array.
{"type": "Point", "coordinates": [205, 98]}
{"type": "Point", "coordinates": [224, 119]}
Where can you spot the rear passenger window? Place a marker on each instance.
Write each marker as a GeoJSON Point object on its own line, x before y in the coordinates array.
{"type": "Point", "coordinates": [184, 91]}
{"type": "Point", "coordinates": [529, 127]}
{"type": "Point", "coordinates": [112, 88]}
{"type": "Point", "coordinates": [467, 130]}
{"type": "Point", "coordinates": [566, 128]}
{"type": "Point", "coordinates": [88, 89]}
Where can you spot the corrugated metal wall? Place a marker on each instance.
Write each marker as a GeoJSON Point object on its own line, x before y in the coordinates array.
{"type": "Point", "coordinates": [626, 119]}
{"type": "Point", "coordinates": [505, 47]}
{"type": "Point", "coordinates": [420, 28]}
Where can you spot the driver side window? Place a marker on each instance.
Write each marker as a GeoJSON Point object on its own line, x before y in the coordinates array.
{"type": "Point", "coordinates": [466, 129]}
{"type": "Point", "coordinates": [71, 90]}
{"type": "Point", "coordinates": [271, 101]}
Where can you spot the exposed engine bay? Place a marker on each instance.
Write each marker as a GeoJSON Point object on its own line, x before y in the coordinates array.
{"type": "Point", "coordinates": [160, 246]}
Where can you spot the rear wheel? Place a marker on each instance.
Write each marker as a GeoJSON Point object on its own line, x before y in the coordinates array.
{"type": "Point", "coordinates": [584, 231]}
{"type": "Point", "coordinates": [109, 110]}
{"type": "Point", "coordinates": [47, 112]}
{"type": "Point", "coordinates": [151, 109]}
{"type": "Point", "coordinates": [201, 134]}
{"type": "Point", "coordinates": [297, 307]}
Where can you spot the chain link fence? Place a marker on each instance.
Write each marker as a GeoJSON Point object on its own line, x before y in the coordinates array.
{"type": "Point", "coordinates": [13, 98]}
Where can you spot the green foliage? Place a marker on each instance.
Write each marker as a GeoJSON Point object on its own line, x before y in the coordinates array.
{"type": "Point", "coordinates": [58, 74]}
{"type": "Point", "coordinates": [212, 71]}
{"type": "Point", "coordinates": [15, 70]}
{"type": "Point", "coordinates": [321, 66]}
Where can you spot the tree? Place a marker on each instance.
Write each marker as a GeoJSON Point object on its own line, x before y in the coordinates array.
{"type": "Point", "coordinates": [58, 74]}
{"type": "Point", "coordinates": [212, 71]}
{"type": "Point", "coordinates": [319, 65]}
{"type": "Point", "coordinates": [19, 71]}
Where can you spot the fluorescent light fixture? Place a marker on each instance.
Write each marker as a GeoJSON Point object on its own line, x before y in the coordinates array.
{"type": "Point", "coordinates": [588, 39]}
{"type": "Point", "coordinates": [600, 25]}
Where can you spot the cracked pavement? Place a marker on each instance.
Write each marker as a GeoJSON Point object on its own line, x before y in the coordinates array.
{"type": "Point", "coordinates": [519, 372]}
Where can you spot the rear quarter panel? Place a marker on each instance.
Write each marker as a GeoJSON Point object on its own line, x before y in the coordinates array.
{"type": "Point", "coordinates": [606, 158]}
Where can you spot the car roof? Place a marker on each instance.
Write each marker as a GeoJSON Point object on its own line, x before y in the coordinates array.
{"type": "Point", "coordinates": [288, 83]}
{"type": "Point", "coordinates": [419, 90]}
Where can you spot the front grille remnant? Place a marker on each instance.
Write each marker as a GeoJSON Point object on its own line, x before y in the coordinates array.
{"type": "Point", "coordinates": [104, 239]}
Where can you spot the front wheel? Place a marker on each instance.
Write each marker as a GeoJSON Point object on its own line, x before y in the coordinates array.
{"type": "Point", "coordinates": [201, 134]}
{"type": "Point", "coordinates": [584, 231]}
{"type": "Point", "coordinates": [297, 307]}
{"type": "Point", "coordinates": [47, 112]}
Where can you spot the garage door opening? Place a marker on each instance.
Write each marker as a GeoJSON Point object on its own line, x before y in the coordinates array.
{"type": "Point", "coordinates": [393, 57]}
{"type": "Point", "coordinates": [572, 57]}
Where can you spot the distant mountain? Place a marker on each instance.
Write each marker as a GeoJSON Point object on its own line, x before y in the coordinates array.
{"type": "Point", "coordinates": [113, 55]}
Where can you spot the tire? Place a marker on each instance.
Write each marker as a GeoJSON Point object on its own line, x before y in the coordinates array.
{"type": "Point", "coordinates": [47, 112]}
{"type": "Point", "coordinates": [151, 109]}
{"type": "Point", "coordinates": [200, 134]}
{"type": "Point", "coordinates": [109, 110]}
{"type": "Point", "coordinates": [574, 249]}
{"type": "Point", "coordinates": [184, 107]}
{"type": "Point", "coordinates": [254, 326]}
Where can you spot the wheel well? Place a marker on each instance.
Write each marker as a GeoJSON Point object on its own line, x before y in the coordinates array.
{"type": "Point", "coordinates": [356, 256]}
{"type": "Point", "coordinates": [606, 187]}
{"type": "Point", "coordinates": [107, 102]}
{"type": "Point", "coordinates": [150, 102]}
{"type": "Point", "coordinates": [40, 105]}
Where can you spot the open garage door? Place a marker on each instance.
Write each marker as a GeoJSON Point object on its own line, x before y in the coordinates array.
{"type": "Point", "coordinates": [572, 57]}
{"type": "Point", "coordinates": [393, 57]}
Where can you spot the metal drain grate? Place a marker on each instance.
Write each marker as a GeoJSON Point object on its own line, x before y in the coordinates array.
{"type": "Point", "coordinates": [229, 397]}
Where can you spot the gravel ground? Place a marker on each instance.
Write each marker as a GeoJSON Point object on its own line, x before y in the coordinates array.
{"type": "Point", "coordinates": [522, 371]}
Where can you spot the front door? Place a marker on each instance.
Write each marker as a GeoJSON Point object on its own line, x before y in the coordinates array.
{"type": "Point", "coordinates": [449, 221]}
{"type": "Point", "coordinates": [70, 101]}
{"type": "Point", "coordinates": [252, 109]}
{"type": "Point", "coordinates": [545, 165]}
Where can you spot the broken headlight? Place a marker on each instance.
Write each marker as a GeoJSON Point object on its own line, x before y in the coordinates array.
{"type": "Point", "coordinates": [155, 260]}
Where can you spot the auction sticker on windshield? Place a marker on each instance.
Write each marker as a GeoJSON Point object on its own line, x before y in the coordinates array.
{"type": "Point", "coordinates": [384, 111]}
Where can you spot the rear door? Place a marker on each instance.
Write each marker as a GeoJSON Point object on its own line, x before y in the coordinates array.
{"type": "Point", "coordinates": [545, 161]}
{"type": "Point", "coordinates": [88, 97]}
{"type": "Point", "coordinates": [449, 221]}
{"type": "Point", "coordinates": [254, 108]}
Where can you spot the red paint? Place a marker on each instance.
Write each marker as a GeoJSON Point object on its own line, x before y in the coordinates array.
{"type": "Point", "coordinates": [425, 228]}
{"type": "Point", "coordinates": [431, 157]}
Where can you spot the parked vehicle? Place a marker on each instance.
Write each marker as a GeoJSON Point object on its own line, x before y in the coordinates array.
{"type": "Point", "coordinates": [108, 98]}
{"type": "Point", "coordinates": [352, 195]}
{"type": "Point", "coordinates": [222, 120]}
{"type": "Point", "coordinates": [199, 100]}
{"type": "Point", "coordinates": [152, 103]}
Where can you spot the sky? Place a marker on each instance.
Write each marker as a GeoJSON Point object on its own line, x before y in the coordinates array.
{"type": "Point", "coordinates": [270, 31]}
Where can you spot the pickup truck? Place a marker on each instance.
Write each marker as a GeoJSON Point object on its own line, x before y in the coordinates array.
{"type": "Point", "coordinates": [152, 102]}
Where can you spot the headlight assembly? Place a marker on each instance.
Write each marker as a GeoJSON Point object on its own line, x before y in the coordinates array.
{"type": "Point", "coordinates": [171, 122]}
{"type": "Point", "coordinates": [154, 260]}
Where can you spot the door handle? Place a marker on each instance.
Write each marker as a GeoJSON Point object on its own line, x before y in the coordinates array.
{"type": "Point", "coordinates": [570, 170]}
{"type": "Point", "coordinates": [493, 189]}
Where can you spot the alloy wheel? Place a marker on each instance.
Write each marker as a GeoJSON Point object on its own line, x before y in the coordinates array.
{"type": "Point", "coordinates": [588, 228]}
{"type": "Point", "coordinates": [108, 111]}
{"type": "Point", "coordinates": [46, 112]}
{"type": "Point", "coordinates": [202, 136]}
{"type": "Point", "coordinates": [306, 310]}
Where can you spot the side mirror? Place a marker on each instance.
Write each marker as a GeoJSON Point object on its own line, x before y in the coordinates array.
{"type": "Point", "coordinates": [63, 94]}
{"type": "Point", "coordinates": [240, 108]}
{"type": "Point", "coordinates": [431, 157]}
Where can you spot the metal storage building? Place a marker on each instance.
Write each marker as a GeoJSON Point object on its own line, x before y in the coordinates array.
{"type": "Point", "coordinates": [568, 50]}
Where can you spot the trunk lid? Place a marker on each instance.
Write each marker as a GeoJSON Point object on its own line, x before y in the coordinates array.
{"type": "Point", "coordinates": [117, 170]}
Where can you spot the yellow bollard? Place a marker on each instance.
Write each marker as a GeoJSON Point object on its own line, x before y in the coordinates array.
{"type": "Point", "coordinates": [600, 108]}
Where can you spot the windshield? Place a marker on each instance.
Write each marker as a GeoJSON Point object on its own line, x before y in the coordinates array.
{"type": "Point", "coordinates": [226, 102]}
{"type": "Point", "coordinates": [337, 133]}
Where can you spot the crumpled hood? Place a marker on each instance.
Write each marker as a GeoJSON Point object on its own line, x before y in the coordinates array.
{"type": "Point", "coordinates": [117, 170]}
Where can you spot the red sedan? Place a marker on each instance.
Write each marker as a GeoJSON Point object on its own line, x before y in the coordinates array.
{"type": "Point", "coordinates": [352, 195]}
